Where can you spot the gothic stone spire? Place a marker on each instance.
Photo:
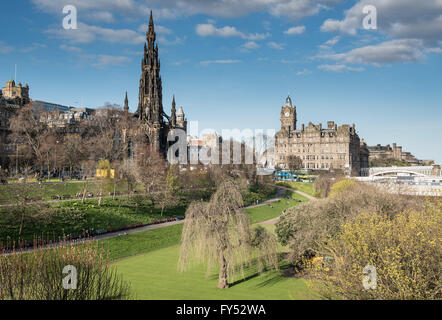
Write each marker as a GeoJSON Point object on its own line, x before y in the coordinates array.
{"type": "Point", "coordinates": [173, 113]}
{"type": "Point", "coordinates": [150, 105]}
{"type": "Point", "coordinates": [126, 104]}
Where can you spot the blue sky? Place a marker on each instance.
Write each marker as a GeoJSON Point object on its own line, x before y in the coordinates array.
{"type": "Point", "coordinates": [232, 63]}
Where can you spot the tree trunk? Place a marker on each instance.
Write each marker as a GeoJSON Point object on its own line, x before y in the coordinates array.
{"type": "Point", "coordinates": [222, 283]}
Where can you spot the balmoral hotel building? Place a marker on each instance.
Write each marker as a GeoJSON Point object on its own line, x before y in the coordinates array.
{"type": "Point", "coordinates": [319, 148]}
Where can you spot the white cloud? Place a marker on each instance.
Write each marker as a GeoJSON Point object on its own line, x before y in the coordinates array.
{"type": "Point", "coordinates": [276, 46]}
{"type": "Point", "coordinates": [4, 48]}
{"type": "Point", "coordinates": [171, 9]}
{"type": "Point", "coordinates": [100, 16]}
{"type": "Point", "coordinates": [33, 47]}
{"type": "Point", "coordinates": [330, 43]}
{"type": "Point", "coordinates": [207, 29]}
{"type": "Point", "coordinates": [73, 49]}
{"type": "Point", "coordinates": [285, 61]}
{"type": "Point", "coordinates": [295, 30]}
{"type": "Point", "coordinates": [403, 19]}
{"type": "Point", "coordinates": [86, 34]}
{"type": "Point", "coordinates": [303, 72]}
{"type": "Point", "coordinates": [298, 9]}
{"type": "Point", "coordinates": [96, 8]}
{"type": "Point", "coordinates": [103, 61]}
{"type": "Point", "coordinates": [229, 61]}
{"type": "Point", "coordinates": [250, 45]}
{"type": "Point", "coordinates": [338, 68]}
{"type": "Point", "coordinates": [159, 29]}
{"type": "Point", "coordinates": [177, 40]}
{"type": "Point", "coordinates": [386, 52]}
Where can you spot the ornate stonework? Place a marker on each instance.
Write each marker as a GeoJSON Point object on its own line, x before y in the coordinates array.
{"type": "Point", "coordinates": [319, 148]}
{"type": "Point", "coordinates": [153, 121]}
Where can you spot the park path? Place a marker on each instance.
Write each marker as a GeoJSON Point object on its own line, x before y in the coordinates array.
{"type": "Point", "coordinates": [275, 220]}
{"type": "Point", "coordinates": [311, 198]}
{"type": "Point", "coordinates": [279, 195]}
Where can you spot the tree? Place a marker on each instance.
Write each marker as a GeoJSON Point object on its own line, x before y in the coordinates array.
{"type": "Point", "coordinates": [104, 134]}
{"type": "Point", "coordinates": [150, 170]}
{"type": "Point", "coordinates": [405, 252]}
{"type": "Point", "coordinates": [27, 127]}
{"type": "Point", "coordinates": [294, 162]}
{"type": "Point", "coordinates": [74, 151]}
{"type": "Point", "coordinates": [218, 233]}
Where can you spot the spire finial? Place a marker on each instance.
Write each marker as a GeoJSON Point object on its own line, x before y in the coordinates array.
{"type": "Point", "coordinates": [126, 103]}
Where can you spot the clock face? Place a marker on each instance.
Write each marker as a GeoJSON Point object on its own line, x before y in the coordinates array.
{"type": "Point", "coordinates": [287, 114]}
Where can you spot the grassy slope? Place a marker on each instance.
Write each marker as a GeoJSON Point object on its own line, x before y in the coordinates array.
{"type": "Point", "coordinates": [266, 212]}
{"type": "Point", "coordinates": [46, 190]}
{"type": "Point", "coordinates": [154, 274]}
{"type": "Point", "coordinates": [301, 186]}
{"type": "Point", "coordinates": [76, 217]}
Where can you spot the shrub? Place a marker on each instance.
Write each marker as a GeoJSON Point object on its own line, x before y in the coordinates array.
{"type": "Point", "coordinates": [405, 250]}
{"type": "Point", "coordinates": [323, 184]}
{"type": "Point", "coordinates": [341, 186]}
{"type": "Point", "coordinates": [38, 275]}
{"type": "Point", "coordinates": [306, 226]}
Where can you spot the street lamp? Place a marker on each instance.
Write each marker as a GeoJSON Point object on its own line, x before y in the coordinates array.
{"type": "Point", "coordinates": [56, 156]}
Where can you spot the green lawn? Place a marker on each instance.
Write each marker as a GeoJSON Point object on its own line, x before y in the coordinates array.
{"type": "Point", "coordinates": [306, 187]}
{"type": "Point", "coordinates": [154, 276]}
{"type": "Point", "coordinates": [45, 191]}
{"type": "Point", "coordinates": [153, 272]}
{"type": "Point", "coordinates": [142, 242]}
{"type": "Point", "coordinates": [274, 209]}
{"type": "Point", "coordinates": [76, 217]}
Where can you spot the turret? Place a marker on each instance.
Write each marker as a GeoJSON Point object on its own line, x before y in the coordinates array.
{"type": "Point", "coordinates": [181, 119]}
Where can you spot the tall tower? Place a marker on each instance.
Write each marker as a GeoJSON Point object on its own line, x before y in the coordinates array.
{"type": "Point", "coordinates": [288, 116]}
{"type": "Point", "coordinates": [126, 104]}
{"type": "Point", "coordinates": [150, 111]}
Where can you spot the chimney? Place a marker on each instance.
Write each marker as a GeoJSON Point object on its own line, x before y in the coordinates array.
{"type": "Point", "coordinates": [330, 124]}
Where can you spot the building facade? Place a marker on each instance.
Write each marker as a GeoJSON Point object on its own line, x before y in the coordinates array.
{"type": "Point", "coordinates": [317, 148]}
{"type": "Point", "coordinates": [380, 152]}
{"type": "Point", "coordinates": [154, 123]}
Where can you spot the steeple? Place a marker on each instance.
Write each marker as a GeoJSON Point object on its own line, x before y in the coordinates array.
{"type": "Point", "coordinates": [150, 105]}
{"type": "Point", "coordinates": [173, 113]}
{"type": "Point", "coordinates": [126, 104]}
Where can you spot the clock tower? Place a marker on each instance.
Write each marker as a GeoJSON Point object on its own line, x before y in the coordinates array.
{"type": "Point", "coordinates": [288, 116]}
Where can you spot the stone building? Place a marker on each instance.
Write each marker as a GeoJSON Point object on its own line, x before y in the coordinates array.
{"type": "Point", "coordinates": [154, 123]}
{"type": "Point", "coordinates": [18, 95]}
{"type": "Point", "coordinates": [380, 152]}
{"type": "Point", "coordinates": [334, 147]}
{"type": "Point", "coordinates": [12, 98]}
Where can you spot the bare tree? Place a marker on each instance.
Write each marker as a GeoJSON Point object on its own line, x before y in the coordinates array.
{"type": "Point", "coordinates": [294, 162]}
{"type": "Point", "coordinates": [104, 136]}
{"type": "Point", "coordinates": [73, 152]}
{"type": "Point", "coordinates": [28, 127]}
{"type": "Point", "coordinates": [218, 233]}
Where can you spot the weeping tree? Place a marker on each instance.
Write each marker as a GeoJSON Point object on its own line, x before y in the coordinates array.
{"type": "Point", "coordinates": [218, 233]}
